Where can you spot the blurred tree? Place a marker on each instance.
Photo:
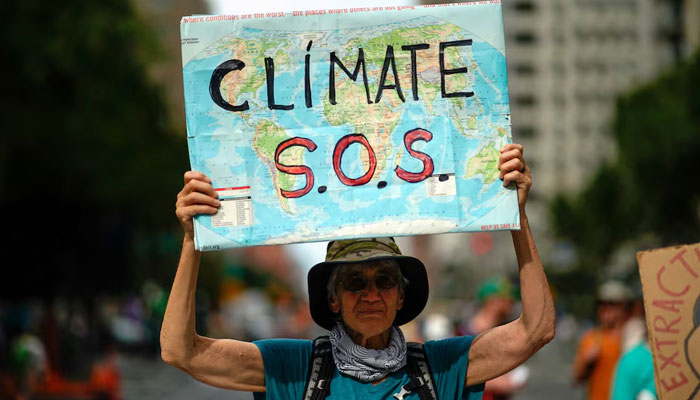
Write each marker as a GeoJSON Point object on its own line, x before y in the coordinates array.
{"type": "Point", "coordinates": [90, 163]}
{"type": "Point", "coordinates": [651, 189]}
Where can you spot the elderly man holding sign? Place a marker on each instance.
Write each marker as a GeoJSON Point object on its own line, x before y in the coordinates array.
{"type": "Point", "coordinates": [362, 292]}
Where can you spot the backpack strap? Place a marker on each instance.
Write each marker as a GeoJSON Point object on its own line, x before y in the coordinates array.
{"type": "Point", "coordinates": [318, 384]}
{"type": "Point", "coordinates": [422, 382]}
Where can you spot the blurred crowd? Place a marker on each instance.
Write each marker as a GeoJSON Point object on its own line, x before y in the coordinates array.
{"type": "Point", "coordinates": [612, 358]}
{"type": "Point", "coordinates": [61, 349]}
{"type": "Point", "coordinates": [69, 349]}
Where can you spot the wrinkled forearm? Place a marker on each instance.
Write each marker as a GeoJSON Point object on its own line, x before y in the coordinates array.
{"type": "Point", "coordinates": [178, 335]}
{"type": "Point", "coordinates": [538, 316]}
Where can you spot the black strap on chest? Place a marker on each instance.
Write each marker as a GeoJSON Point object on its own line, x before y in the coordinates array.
{"type": "Point", "coordinates": [419, 372]}
{"type": "Point", "coordinates": [318, 383]}
{"type": "Point", "coordinates": [321, 367]}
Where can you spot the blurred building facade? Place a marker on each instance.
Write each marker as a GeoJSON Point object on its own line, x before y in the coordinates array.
{"type": "Point", "coordinates": [568, 61]}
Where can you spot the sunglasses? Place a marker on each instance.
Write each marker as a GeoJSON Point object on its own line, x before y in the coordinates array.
{"type": "Point", "coordinates": [358, 283]}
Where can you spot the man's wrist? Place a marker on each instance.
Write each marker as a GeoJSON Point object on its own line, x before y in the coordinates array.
{"type": "Point", "coordinates": [523, 214]}
{"type": "Point", "coordinates": [524, 224]}
{"type": "Point", "coordinates": [188, 239]}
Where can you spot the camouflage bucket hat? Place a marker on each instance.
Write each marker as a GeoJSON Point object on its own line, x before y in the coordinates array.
{"type": "Point", "coordinates": [356, 251]}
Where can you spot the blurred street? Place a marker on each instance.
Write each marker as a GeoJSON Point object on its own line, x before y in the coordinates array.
{"type": "Point", "coordinates": [150, 378]}
{"type": "Point", "coordinates": [550, 374]}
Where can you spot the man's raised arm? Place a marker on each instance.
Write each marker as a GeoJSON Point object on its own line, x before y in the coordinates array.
{"type": "Point", "coordinates": [224, 363]}
{"type": "Point", "coordinates": [503, 348]}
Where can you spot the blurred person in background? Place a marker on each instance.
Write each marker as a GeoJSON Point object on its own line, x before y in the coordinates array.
{"type": "Point", "coordinates": [29, 364]}
{"type": "Point", "coordinates": [600, 347]}
{"type": "Point", "coordinates": [436, 326]}
{"type": "Point", "coordinates": [496, 297]}
{"type": "Point", "coordinates": [634, 331]}
{"type": "Point", "coordinates": [634, 374]}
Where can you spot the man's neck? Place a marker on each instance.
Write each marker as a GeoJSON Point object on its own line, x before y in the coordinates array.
{"type": "Point", "coordinates": [377, 342]}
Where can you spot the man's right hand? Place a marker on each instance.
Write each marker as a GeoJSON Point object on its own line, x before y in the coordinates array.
{"type": "Point", "coordinates": [196, 197]}
{"type": "Point", "coordinates": [225, 363]}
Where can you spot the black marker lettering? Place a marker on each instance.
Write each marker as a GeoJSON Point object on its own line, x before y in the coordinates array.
{"type": "Point", "coordinates": [307, 79]}
{"type": "Point", "coordinates": [443, 71]}
{"type": "Point", "coordinates": [353, 76]}
{"type": "Point", "coordinates": [389, 58]}
{"type": "Point", "coordinates": [270, 75]}
{"type": "Point", "coordinates": [215, 84]}
{"type": "Point", "coordinates": [414, 76]}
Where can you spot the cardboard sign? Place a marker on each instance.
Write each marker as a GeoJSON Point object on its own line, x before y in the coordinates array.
{"type": "Point", "coordinates": [671, 288]}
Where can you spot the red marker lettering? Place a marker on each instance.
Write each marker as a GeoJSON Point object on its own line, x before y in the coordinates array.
{"type": "Point", "coordinates": [665, 289]}
{"type": "Point", "coordinates": [295, 169]}
{"type": "Point", "coordinates": [408, 139]}
{"type": "Point", "coordinates": [665, 326]}
{"type": "Point", "coordinates": [668, 360]}
{"type": "Point", "coordinates": [340, 148]}
{"type": "Point", "coordinates": [668, 305]}
{"type": "Point", "coordinates": [674, 383]}
{"type": "Point", "coordinates": [679, 257]}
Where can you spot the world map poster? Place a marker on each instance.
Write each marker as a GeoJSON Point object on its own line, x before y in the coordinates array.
{"type": "Point", "coordinates": [344, 123]}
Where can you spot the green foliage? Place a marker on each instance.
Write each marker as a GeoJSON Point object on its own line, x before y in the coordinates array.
{"type": "Point", "coordinates": [89, 163]}
{"type": "Point", "coordinates": [651, 189]}
{"type": "Point", "coordinates": [658, 133]}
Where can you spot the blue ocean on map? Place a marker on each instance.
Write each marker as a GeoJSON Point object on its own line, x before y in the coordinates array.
{"type": "Point", "coordinates": [269, 197]}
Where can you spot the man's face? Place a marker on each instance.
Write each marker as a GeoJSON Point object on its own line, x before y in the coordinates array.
{"type": "Point", "coordinates": [611, 314]}
{"type": "Point", "coordinates": [370, 310]}
{"type": "Point", "coordinates": [504, 307]}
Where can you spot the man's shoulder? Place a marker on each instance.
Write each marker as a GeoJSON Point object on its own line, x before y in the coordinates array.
{"type": "Point", "coordinates": [282, 342]}
{"type": "Point", "coordinates": [449, 349]}
{"type": "Point", "coordinates": [465, 340]}
{"type": "Point", "coordinates": [284, 348]}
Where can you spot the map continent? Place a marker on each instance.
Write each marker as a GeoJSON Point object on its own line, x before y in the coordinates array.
{"type": "Point", "coordinates": [382, 122]}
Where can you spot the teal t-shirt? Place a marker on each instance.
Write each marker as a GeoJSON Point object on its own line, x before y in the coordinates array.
{"type": "Point", "coordinates": [287, 364]}
{"type": "Point", "coordinates": [634, 378]}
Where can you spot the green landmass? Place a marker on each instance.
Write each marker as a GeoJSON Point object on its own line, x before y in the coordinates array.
{"type": "Point", "coordinates": [268, 136]}
{"type": "Point", "coordinates": [375, 121]}
{"type": "Point", "coordinates": [251, 78]}
{"type": "Point", "coordinates": [484, 163]}
{"type": "Point", "coordinates": [420, 34]}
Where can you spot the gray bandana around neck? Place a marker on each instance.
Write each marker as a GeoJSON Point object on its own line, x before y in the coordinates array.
{"type": "Point", "coordinates": [367, 365]}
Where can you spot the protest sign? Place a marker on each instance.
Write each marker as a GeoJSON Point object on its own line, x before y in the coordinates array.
{"type": "Point", "coordinates": [352, 122]}
{"type": "Point", "coordinates": [671, 289]}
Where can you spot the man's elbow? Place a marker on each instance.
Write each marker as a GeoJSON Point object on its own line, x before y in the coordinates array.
{"type": "Point", "coordinates": [548, 329]}
{"type": "Point", "coordinates": [171, 357]}
{"type": "Point", "coordinates": [173, 354]}
{"type": "Point", "coordinates": [543, 334]}
{"type": "Point", "coordinates": [548, 334]}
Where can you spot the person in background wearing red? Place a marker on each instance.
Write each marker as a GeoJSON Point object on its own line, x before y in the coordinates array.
{"type": "Point", "coordinates": [496, 299]}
